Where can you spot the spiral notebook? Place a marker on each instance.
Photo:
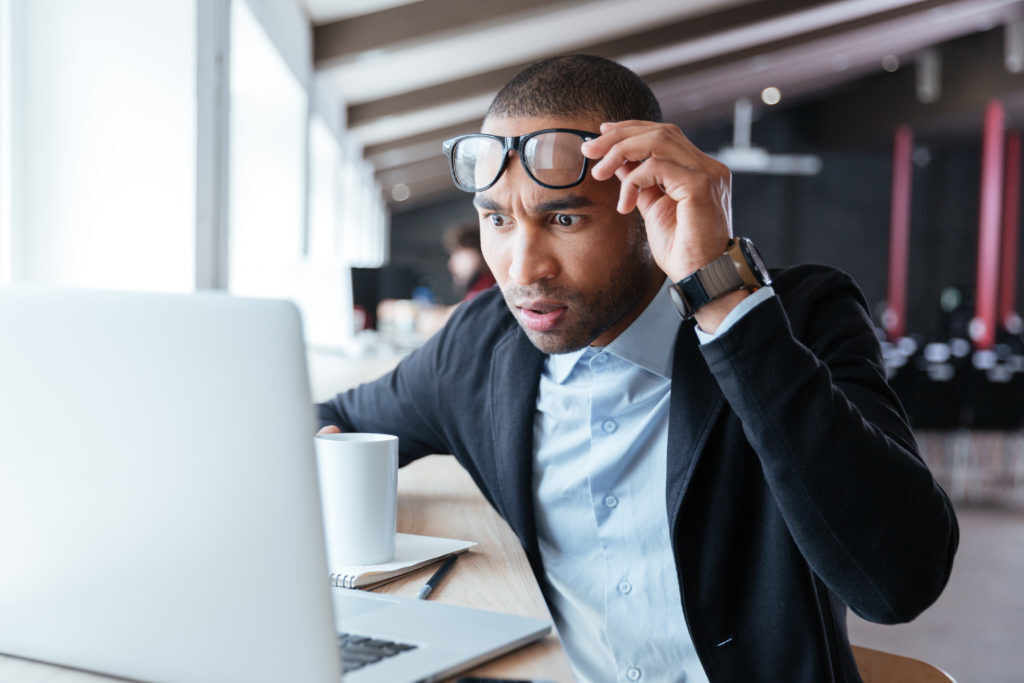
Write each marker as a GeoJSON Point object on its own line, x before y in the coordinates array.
{"type": "Point", "coordinates": [411, 553]}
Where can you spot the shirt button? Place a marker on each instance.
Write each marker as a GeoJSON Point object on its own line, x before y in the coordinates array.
{"type": "Point", "coordinates": [633, 673]}
{"type": "Point", "coordinates": [611, 501]}
{"type": "Point", "coordinates": [609, 426]}
{"type": "Point", "coordinates": [625, 587]}
{"type": "Point", "coordinates": [603, 358]}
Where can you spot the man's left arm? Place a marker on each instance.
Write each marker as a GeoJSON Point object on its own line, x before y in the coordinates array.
{"type": "Point", "coordinates": [836, 450]}
{"type": "Point", "coordinates": [835, 447]}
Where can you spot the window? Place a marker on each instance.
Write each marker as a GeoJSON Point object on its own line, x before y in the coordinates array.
{"type": "Point", "coordinates": [99, 125]}
{"type": "Point", "coordinates": [267, 163]}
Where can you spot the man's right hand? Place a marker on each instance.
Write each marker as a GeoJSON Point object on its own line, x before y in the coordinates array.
{"type": "Point", "coordinates": [329, 429]}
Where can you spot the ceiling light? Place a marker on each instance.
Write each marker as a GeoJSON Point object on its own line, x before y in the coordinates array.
{"type": "Point", "coordinates": [742, 157]}
{"type": "Point", "coordinates": [771, 95]}
{"type": "Point", "coordinates": [400, 192]}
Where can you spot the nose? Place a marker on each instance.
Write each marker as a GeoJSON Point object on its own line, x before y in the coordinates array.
{"type": "Point", "coordinates": [533, 258]}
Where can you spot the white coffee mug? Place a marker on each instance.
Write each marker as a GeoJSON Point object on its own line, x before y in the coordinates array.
{"type": "Point", "coordinates": [359, 496]}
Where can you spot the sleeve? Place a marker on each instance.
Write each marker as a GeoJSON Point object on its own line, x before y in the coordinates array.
{"type": "Point", "coordinates": [403, 402]}
{"type": "Point", "coordinates": [735, 314]}
{"type": "Point", "coordinates": [836, 448]}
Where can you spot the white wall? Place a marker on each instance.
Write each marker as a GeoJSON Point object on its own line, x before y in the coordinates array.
{"type": "Point", "coordinates": [103, 144]}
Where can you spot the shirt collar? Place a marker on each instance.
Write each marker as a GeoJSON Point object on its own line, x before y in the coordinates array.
{"type": "Point", "coordinates": [560, 365]}
{"type": "Point", "coordinates": [649, 341]}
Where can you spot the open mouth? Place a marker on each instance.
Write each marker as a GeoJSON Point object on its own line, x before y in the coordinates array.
{"type": "Point", "coordinates": [541, 317]}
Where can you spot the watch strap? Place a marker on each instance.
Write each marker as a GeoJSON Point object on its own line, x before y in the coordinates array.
{"type": "Point", "coordinates": [720, 276]}
{"type": "Point", "coordinates": [706, 284]}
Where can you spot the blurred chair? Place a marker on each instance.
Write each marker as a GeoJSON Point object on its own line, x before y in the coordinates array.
{"type": "Point", "coordinates": [936, 392]}
{"type": "Point", "coordinates": [876, 666]}
{"type": "Point", "coordinates": [991, 459]}
{"type": "Point", "coordinates": [995, 391]}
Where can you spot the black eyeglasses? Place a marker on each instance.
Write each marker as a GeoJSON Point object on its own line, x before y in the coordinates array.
{"type": "Point", "coordinates": [551, 157]}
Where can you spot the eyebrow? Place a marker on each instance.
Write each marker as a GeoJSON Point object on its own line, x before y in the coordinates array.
{"type": "Point", "coordinates": [487, 203]}
{"type": "Point", "coordinates": [572, 201]}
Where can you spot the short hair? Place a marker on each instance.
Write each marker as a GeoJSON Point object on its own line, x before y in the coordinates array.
{"type": "Point", "coordinates": [575, 85]}
{"type": "Point", "coordinates": [462, 236]}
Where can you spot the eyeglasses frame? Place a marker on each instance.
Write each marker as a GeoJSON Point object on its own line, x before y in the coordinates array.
{"type": "Point", "coordinates": [514, 143]}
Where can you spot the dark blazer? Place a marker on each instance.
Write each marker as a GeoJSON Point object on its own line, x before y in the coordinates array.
{"type": "Point", "coordinates": [794, 485]}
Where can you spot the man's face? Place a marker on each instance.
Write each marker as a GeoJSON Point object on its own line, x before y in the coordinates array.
{"type": "Point", "coordinates": [572, 269]}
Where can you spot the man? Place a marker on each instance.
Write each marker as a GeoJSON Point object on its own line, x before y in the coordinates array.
{"type": "Point", "coordinates": [698, 502]}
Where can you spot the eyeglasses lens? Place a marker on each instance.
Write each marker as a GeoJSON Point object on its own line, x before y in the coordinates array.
{"type": "Point", "coordinates": [477, 161]}
{"type": "Point", "coordinates": [555, 158]}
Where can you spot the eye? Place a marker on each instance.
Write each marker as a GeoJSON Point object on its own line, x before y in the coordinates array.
{"type": "Point", "coordinates": [566, 220]}
{"type": "Point", "coordinates": [498, 220]}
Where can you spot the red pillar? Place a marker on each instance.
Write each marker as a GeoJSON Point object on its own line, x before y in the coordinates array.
{"type": "Point", "coordinates": [1011, 215]}
{"type": "Point", "coordinates": [895, 319]}
{"type": "Point", "coordinates": [983, 327]}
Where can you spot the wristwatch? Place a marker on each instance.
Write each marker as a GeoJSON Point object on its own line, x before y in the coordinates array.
{"type": "Point", "coordinates": [740, 267]}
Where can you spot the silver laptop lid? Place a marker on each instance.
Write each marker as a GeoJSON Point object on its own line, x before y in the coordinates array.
{"type": "Point", "coordinates": [159, 515]}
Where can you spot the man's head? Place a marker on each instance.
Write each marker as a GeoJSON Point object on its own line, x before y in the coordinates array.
{"type": "Point", "coordinates": [576, 86]}
{"type": "Point", "coordinates": [572, 269]}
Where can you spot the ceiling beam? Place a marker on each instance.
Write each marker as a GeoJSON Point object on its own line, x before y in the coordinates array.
{"type": "Point", "coordinates": [418, 21]}
{"type": "Point", "coordinates": [670, 33]}
{"type": "Point", "coordinates": [426, 191]}
{"type": "Point", "coordinates": [720, 79]}
{"type": "Point", "coordinates": [432, 167]}
{"type": "Point", "coordinates": [978, 73]}
{"type": "Point", "coordinates": [972, 73]}
{"type": "Point", "coordinates": [824, 61]}
{"type": "Point", "coordinates": [704, 52]}
{"type": "Point", "coordinates": [520, 38]}
{"type": "Point", "coordinates": [819, 34]}
{"type": "Point", "coordinates": [434, 136]}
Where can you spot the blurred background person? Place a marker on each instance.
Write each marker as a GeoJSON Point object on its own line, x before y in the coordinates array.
{"type": "Point", "coordinates": [466, 261]}
{"type": "Point", "coordinates": [469, 272]}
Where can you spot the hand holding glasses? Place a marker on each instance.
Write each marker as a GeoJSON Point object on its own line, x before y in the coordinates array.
{"type": "Point", "coordinates": [551, 157]}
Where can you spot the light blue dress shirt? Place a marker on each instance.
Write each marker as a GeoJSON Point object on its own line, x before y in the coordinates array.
{"type": "Point", "coordinates": [600, 451]}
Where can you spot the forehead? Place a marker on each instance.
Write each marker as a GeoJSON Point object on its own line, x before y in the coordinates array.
{"type": "Point", "coordinates": [521, 125]}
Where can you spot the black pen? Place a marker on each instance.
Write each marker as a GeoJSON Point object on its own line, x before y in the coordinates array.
{"type": "Point", "coordinates": [436, 578]}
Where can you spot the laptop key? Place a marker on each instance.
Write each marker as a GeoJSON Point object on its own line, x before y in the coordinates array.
{"type": "Point", "coordinates": [358, 651]}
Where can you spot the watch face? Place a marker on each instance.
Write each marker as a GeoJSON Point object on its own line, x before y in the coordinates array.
{"type": "Point", "coordinates": [755, 261]}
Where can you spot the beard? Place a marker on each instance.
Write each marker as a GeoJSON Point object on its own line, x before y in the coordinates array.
{"type": "Point", "coordinates": [590, 313]}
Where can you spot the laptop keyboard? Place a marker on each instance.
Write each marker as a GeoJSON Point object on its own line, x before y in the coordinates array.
{"type": "Point", "coordinates": [358, 651]}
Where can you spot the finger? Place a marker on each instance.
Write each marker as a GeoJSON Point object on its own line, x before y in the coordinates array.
{"type": "Point", "coordinates": [649, 142]}
{"type": "Point", "coordinates": [638, 140]}
{"type": "Point", "coordinates": [647, 198]}
{"type": "Point", "coordinates": [613, 134]}
{"type": "Point", "coordinates": [679, 180]}
{"type": "Point", "coordinates": [329, 429]}
{"type": "Point", "coordinates": [647, 179]}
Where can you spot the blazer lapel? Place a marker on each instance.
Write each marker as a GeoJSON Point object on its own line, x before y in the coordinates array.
{"type": "Point", "coordinates": [515, 377]}
{"type": "Point", "coordinates": [695, 402]}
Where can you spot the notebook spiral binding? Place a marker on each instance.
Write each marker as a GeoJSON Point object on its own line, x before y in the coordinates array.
{"type": "Point", "coordinates": [343, 580]}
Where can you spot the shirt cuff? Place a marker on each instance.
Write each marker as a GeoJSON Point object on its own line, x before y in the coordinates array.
{"type": "Point", "coordinates": [735, 314]}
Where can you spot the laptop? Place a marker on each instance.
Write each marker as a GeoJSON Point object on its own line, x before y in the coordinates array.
{"type": "Point", "coordinates": [159, 508]}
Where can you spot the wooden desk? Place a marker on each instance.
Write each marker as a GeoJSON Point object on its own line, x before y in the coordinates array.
{"type": "Point", "coordinates": [438, 498]}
